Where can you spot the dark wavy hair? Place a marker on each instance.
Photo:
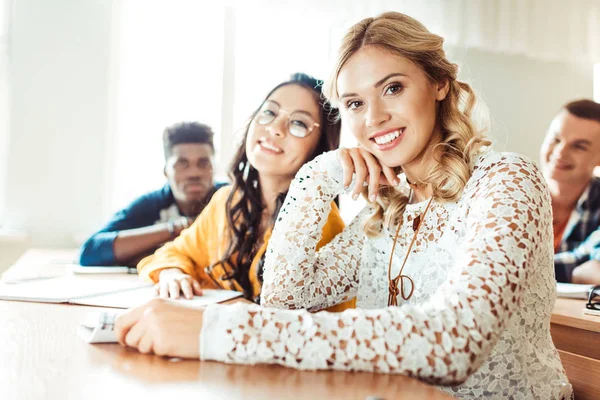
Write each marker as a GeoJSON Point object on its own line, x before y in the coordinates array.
{"type": "Point", "coordinates": [244, 205]}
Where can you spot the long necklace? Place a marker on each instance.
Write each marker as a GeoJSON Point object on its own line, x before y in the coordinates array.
{"type": "Point", "coordinates": [415, 185]}
{"type": "Point", "coordinates": [394, 291]}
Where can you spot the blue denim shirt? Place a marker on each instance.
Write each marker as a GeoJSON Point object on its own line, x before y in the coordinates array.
{"type": "Point", "coordinates": [149, 209]}
{"type": "Point", "coordinates": [581, 239]}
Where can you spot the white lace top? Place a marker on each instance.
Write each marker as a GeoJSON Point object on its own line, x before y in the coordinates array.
{"type": "Point", "coordinates": [478, 322]}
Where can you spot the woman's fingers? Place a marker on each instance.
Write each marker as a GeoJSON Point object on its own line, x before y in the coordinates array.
{"type": "Point", "coordinates": [126, 321]}
{"type": "Point", "coordinates": [145, 344]}
{"type": "Point", "coordinates": [197, 288]}
{"type": "Point", "coordinates": [360, 171]}
{"type": "Point", "coordinates": [164, 289]}
{"type": "Point", "coordinates": [186, 288]}
{"type": "Point", "coordinates": [174, 289]}
{"type": "Point", "coordinates": [374, 169]}
{"type": "Point", "coordinates": [347, 166]}
{"type": "Point", "coordinates": [389, 176]}
{"type": "Point", "coordinates": [366, 169]}
{"type": "Point", "coordinates": [137, 331]}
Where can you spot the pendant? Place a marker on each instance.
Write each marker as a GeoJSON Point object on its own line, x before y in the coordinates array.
{"type": "Point", "coordinates": [416, 223]}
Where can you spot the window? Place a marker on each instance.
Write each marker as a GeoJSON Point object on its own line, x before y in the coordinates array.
{"type": "Point", "coordinates": [169, 68]}
{"type": "Point", "coordinates": [4, 101]}
{"type": "Point", "coordinates": [183, 60]}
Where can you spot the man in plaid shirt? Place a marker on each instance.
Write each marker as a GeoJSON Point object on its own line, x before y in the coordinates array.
{"type": "Point", "coordinates": [570, 152]}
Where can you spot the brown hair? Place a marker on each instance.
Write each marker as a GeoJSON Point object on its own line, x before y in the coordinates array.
{"type": "Point", "coordinates": [585, 108]}
{"type": "Point", "coordinates": [404, 36]}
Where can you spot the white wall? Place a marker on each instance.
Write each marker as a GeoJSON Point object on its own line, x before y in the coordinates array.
{"type": "Point", "coordinates": [59, 70]}
{"type": "Point", "coordinates": [522, 94]}
{"type": "Point", "coordinates": [60, 114]}
{"type": "Point", "coordinates": [597, 82]}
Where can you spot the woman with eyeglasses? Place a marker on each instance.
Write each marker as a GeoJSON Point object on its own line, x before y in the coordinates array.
{"type": "Point", "coordinates": [225, 246]}
{"type": "Point", "coordinates": [451, 261]}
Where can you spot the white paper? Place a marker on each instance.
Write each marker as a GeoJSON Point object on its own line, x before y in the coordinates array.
{"type": "Point", "coordinates": [134, 298]}
{"type": "Point", "coordinates": [64, 289]}
{"type": "Point", "coordinates": [92, 330]}
{"type": "Point", "coordinates": [115, 269]}
{"type": "Point", "coordinates": [573, 291]}
{"type": "Point", "coordinates": [591, 312]}
{"type": "Point", "coordinates": [96, 335]}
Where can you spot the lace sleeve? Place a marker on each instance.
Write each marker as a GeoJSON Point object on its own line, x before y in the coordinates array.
{"type": "Point", "coordinates": [296, 275]}
{"type": "Point", "coordinates": [444, 339]}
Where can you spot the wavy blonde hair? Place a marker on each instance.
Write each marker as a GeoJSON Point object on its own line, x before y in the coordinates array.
{"type": "Point", "coordinates": [460, 142]}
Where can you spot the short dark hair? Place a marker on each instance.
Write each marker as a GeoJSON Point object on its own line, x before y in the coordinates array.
{"type": "Point", "coordinates": [585, 108]}
{"type": "Point", "coordinates": [186, 132]}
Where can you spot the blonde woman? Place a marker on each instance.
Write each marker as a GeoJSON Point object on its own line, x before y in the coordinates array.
{"type": "Point", "coordinates": [452, 268]}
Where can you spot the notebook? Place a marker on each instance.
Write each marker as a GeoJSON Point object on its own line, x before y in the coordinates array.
{"type": "Point", "coordinates": [137, 297]}
{"type": "Point", "coordinates": [114, 269]}
{"type": "Point", "coordinates": [58, 270]}
{"type": "Point", "coordinates": [591, 312]}
{"type": "Point", "coordinates": [573, 291]}
{"type": "Point", "coordinates": [64, 289]}
{"type": "Point", "coordinates": [99, 327]}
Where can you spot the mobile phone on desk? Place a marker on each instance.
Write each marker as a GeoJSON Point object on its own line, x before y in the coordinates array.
{"type": "Point", "coordinates": [112, 269]}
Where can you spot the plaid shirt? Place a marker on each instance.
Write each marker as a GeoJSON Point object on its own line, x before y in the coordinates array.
{"type": "Point", "coordinates": [581, 239]}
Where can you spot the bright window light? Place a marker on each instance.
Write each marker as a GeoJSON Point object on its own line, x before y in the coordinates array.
{"type": "Point", "coordinates": [169, 69]}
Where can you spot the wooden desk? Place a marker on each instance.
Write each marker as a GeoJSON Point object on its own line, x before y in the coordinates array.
{"type": "Point", "coordinates": [577, 337]}
{"type": "Point", "coordinates": [41, 356]}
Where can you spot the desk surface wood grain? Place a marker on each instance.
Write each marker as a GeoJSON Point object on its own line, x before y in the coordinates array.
{"type": "Point", "coordinates": [576, 335]}
{"type": "Point", "coordinates": [42, 357]}
{"type": "Point", "coordinates": [569, 312]}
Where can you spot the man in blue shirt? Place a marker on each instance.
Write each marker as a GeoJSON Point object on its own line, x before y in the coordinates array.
{"type": "Point", "coordinates": [159, 216]}
{"type": "Point", "coordinates": [570, 153]}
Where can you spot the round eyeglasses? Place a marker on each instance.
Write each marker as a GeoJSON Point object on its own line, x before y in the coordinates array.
{"type": "Point", "coordinates": [593, 293]}
{"type": "Point", "coordinates": [299, 124]}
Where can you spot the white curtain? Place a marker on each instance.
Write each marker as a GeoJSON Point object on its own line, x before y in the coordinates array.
{"type": "Point", "coordinates": [275, 37]}
{"type": "Point", "coordinates": [551, 30]}
{"type": "Point", "coordinates": [4, 100]}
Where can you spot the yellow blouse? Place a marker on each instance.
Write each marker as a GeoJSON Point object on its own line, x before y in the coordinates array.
{"type": "Point", "coordinates": [205, 242]}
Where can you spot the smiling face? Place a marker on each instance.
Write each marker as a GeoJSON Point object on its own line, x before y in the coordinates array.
{"type": "Point", "coordinates": [390, 105]}
{"type": "Point", "coordinates": [571, 149]}
{"type": "Point", "coordinates": [270, 148]}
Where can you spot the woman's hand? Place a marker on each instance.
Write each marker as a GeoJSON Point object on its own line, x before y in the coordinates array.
{"type": "Point", "coordinates": [173, 281]}
{"type": "Point", "coordinates": [161, 327]}
{"type": "Point", "coordinates": [358, 161]}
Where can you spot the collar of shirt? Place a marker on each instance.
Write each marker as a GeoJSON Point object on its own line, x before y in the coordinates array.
{"type": "Point", "coordinates": [589, 197]}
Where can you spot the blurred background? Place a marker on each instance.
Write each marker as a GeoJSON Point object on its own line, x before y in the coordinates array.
{"type": "Point", "coordinates": [87, 86]}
